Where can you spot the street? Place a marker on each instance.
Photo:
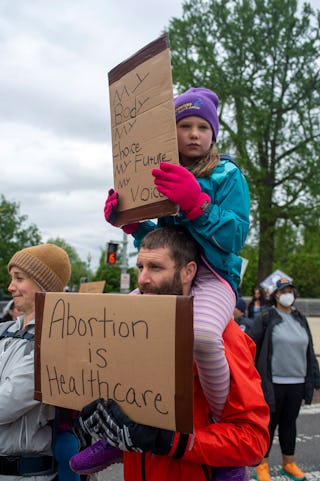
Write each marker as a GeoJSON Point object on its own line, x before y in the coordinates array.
{"type": "Point", "coordinates": [307, 454]}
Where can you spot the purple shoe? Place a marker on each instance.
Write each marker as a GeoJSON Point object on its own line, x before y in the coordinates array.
{"type": "Point", "coordinates": [232, 474]}
{"type": "Point", "coordinates": [95, 458]}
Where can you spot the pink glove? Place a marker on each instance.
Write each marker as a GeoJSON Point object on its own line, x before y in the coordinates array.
{"type": "Point", "coordinates": [182, 188]}
{"type": "Point", "coordinates": [111, 205]}
{"type": "Point", "coordinates": [130, 228]}
{"type": "Point", "coordinates": [110, 212]}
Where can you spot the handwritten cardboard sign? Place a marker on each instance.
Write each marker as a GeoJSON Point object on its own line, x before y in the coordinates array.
{"type": "Point", "coordinates": [143, 131]}
{"type": "Point", "coordinates": [137, 350]}
{"type": "Point", "coordinates": [270, 282]}
{"type": "Point", "coordinates": [95, 286]}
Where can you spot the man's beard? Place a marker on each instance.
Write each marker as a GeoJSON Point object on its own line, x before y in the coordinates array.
{"type": "Point", "coordinates": [173, 287]}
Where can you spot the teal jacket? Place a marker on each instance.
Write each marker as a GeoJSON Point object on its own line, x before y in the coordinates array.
{"type": "Point", "coordinates": [222, 229]}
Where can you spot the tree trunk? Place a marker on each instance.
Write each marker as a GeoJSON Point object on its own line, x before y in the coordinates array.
{"type": "Point", "coordinates": [266, 248]}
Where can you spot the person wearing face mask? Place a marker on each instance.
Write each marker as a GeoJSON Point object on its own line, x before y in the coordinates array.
{"type": "Point", "coordinates": [289, 371]}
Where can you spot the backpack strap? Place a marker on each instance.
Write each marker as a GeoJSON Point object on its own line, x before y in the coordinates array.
{"type": "Point", "coordinates": [24, 334]}
{"type": "Point", "coordinates": [4, 326]}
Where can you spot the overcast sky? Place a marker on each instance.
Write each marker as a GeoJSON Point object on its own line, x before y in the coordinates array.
{"type": "Point", "coordinates": [55, 147]}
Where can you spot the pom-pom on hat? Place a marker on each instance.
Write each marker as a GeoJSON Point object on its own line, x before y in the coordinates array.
{"type": "Point", "coordinates": [200, 102]}
{"type": "Point", "coordinates": [47, 264]}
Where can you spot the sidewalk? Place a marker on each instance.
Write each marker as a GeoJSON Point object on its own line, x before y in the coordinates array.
{"type": "Point", "coordinates": [314, 323]}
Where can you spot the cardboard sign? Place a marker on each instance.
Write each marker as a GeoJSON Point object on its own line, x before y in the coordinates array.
{"type": "Point", "coordinates": [269, 282]}
{"type": "Point", "coordinates": [244, 265]}
{"type": "Point", "coordinates": [96, 286]}
{"type": "Point", "coordinates": [143, 131]}
{"type": "Point", "coordinates": [137, 350]}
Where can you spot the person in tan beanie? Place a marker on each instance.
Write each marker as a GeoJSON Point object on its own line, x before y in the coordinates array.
{"type": "Point", "coordinates": [26, 424]}
{"type": "Point", "coordinates": [48, 264]}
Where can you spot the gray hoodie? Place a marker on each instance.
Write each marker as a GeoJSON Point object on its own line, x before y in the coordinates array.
{"type": "Point", "coordinates": [24, 428]}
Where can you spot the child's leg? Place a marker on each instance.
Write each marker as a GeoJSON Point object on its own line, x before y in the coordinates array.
{"type": "Point", "coordinates": [65, 445]}
{"type": "Point", "coordinates": [214, 303]}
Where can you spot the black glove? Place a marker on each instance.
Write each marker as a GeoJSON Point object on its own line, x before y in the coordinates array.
{"type": "Point", "coordinates": [109, 422]}
{"type": "Point", "coordinates": [80, 428]}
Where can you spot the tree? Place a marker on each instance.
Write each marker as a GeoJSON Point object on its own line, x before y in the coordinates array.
{"type": "Point", "coordinates": [304, 268]}
{"type": "Point", "coordinates": [298, 255]}
{"type": "Point", "coordinates": [14, 236]}
{"type": "Point", "coordinates": [249, 281]}
{"type": "Point", "coordinates": [262, 58]}
{"type": "Point", "coordinates": [304, 263]}
{"type": "Point", "coordinates": [78, 267]}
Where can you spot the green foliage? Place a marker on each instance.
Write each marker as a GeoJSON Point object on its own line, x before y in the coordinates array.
{"type": "Point", "coordinates": [14, 236]}
{"type": "Point", "coordinates": [303, 261]}
{"type": "Point", "coordinates": [297, 253]}
{"type": "Point", "coordinates": [78, 267]}
{"type": "Point", "coordinates": [262, 58]}
{"type": "Point", "coordinates": [251, 274]}
{"type": "Point", "coordinates": [304, 268]}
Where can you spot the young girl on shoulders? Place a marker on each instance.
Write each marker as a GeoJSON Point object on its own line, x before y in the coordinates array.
{"type": "Point", "coordinates": [214, 202]}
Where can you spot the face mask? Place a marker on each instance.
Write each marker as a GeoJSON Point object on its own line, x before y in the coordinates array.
{"type": "Point", "coordinates": [287, 299]}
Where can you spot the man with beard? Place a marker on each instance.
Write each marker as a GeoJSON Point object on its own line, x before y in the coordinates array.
{"type": "Point", "coordinates": [165, 266]}
{"type": "Point", "coordinates": [167, 262]}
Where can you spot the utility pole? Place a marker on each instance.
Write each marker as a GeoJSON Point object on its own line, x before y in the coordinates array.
{"type": "Point", "coordinates": [125, 278]}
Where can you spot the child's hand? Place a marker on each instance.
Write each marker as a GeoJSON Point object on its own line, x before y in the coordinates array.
{"type": "Point", "coordinates": [182, 188]}
{"type": "Point", "coordinates": [110, 212]}
{"type": "Point", "coordinates": [111, 205]}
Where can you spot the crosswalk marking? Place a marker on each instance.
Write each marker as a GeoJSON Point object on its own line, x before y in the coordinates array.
{"type": "Point", "coordinates": [313, 476]}
{"type": "Point", "coordinates": [310, 409]}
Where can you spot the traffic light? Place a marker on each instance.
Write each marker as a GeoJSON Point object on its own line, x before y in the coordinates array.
{"type": "Point", "coordinates": [112, 253]}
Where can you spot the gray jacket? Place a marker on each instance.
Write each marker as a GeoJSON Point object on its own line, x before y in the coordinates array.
{"type": "Point", "coordinates": [261, 333]}
{"type": "Point", "coordinates": [24, 422]}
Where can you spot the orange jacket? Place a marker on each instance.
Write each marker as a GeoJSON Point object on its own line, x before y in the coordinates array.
{"type": "Point", "coordinates": [240, 439]}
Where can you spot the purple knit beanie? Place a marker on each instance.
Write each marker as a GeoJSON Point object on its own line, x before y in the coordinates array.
{"type": "Point", "coordinates": [200, 102]}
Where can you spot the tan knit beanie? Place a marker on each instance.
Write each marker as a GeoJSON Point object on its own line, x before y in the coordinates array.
{"type": "Point", "coordinates": [47, 264]}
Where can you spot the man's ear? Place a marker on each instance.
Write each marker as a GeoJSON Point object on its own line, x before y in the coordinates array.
{"type": "Point", "coordinates": [188, 273]}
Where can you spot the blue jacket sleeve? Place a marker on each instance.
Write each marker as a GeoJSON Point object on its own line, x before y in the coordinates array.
{"type": "Point", "coordinates": [225, 224]}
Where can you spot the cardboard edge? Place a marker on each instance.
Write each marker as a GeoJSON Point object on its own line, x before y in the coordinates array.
{"type": "Point", "coordinates": [184, 364]}
{"type": "Point", "coordinates": [146, 212]}
{"type": "Point", "coordinates": [147, 52]}
{"type": "Point", "coordinates": [39, 308]}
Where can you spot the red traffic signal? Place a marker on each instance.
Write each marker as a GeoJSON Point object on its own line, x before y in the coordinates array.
{"type": "Point", "coordinates": [112, 253]}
